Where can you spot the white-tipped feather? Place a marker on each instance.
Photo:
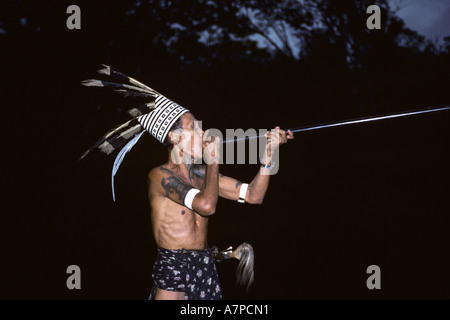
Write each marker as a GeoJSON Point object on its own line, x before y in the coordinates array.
{"type": "Point", "coordinates": [106, 147]}
{"type": "Point", "coordinates": [131, 132]}
{"type": "Point", "coordinates": [116, 86]}
{"type": "Point", "coordinates": [136, 112]}
{"type": "Point", "coordinates": [101, 143]}
{"type": "Point", "coordinates": [128, 87]}
{"type": "Point", "coordinates": [120, 127]}
{"type": "Point", "coordinates": [106, 70]}
{"type": "Point", "coordinates": [129, 93]}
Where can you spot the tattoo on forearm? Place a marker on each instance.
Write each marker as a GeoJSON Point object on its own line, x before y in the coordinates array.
{"type": "Point", "coordinates": [238, 184]}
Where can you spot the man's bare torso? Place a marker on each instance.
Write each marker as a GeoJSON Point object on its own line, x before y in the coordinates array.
{"type": "Point", "coordinates": [174, 225]}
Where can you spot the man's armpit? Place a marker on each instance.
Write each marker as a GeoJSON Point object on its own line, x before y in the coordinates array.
{"type": "Point", "coordinates": [199, 170]}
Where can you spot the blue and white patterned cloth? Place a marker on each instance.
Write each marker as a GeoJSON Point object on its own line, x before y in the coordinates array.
{"type": "Point", "coordinates": [193, 272]}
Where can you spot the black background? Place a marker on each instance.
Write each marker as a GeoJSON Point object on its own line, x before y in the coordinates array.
{"type": "Point", "coordinates": [344, 198]}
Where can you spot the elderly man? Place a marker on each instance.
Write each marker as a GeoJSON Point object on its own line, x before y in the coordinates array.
{"type": "Point", "coordinates": [182, 198]}
{"type": "Point", "coordinates": [182, 195]}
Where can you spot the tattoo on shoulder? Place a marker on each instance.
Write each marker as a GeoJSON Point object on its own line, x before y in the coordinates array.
{"type": "Point", "coordinates": [166, 170]}
{"type": "Point", "coordinates": [173, 185]}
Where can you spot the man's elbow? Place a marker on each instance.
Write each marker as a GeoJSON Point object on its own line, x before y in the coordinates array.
{"type": "Point", "coordinates": [254, 197]}
{"type": "Point", "coordinates": [209, 210]}
{"type": "Point", "coordinates": [255, 200]}
{"type": "Point", "coordinates": [206, 209]}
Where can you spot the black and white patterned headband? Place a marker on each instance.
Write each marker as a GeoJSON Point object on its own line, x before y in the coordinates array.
{"type": "Point", "coordinates": [160, 120]}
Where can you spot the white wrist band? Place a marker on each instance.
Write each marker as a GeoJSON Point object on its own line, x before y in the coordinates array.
{"type": "Point", "coordinates": [267, 166]}
{"type": "Point", "coordinates": [242, 192]}
{"type": "Point", "coordinates": [190, 197]}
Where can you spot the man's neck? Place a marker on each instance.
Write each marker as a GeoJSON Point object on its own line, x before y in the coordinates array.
{"type": "Point", "coordinates": [180, 167]}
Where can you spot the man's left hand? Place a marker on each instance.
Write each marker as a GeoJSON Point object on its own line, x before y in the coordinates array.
{"type": "Point", "coordinates": [277, 137]}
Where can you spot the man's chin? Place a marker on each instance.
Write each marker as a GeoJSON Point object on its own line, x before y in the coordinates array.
{"type": "Point", "coordinates": [192, 159]}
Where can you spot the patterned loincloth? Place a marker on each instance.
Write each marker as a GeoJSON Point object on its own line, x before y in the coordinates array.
{"type": "Point", "coordinates": [190, 271]}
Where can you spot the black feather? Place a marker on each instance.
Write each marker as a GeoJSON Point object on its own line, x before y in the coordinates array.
{"type": "Point", "coordinates": [116, 86]}
{"type": "Point", "coordinates": [115, 132]}
{"type": "Point", "coordinates": [143, 108]}
{"type": "Point", "coordinates": [130, 87]}
{"type": "Point", "coordinates": [118, 140]}
{"type": "Point", "coordinates": [115, 74]}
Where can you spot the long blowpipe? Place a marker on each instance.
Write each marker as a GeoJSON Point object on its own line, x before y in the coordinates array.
{"type": "Point", "coordinates": [348, 122]}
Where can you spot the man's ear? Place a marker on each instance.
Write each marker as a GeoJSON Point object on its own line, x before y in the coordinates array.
{"type": "Point", "coordinates": [175, 136]}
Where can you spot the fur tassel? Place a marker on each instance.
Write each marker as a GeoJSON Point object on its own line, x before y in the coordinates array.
{"type": "Point", "coordinates": [244, 272]}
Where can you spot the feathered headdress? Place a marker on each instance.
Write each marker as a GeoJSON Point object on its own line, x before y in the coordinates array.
{"type": "Point", "coordinates": [155, 116]}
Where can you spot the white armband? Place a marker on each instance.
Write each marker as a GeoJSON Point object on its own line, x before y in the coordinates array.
{"type": "Point", "coordinates": [190, 197]}
{"type": "Point", "coordinates": [243, 192]}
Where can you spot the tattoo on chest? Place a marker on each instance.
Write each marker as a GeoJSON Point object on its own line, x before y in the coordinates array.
{"type": "Point", "coordinates": [197, 170]}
